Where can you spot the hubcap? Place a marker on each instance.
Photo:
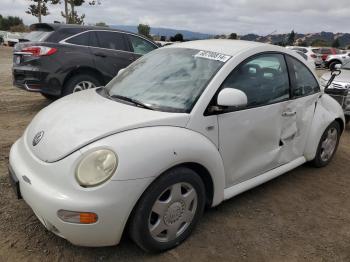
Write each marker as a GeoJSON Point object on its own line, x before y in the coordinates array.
{"type": "Point", "coordinates": [172, 212]}
{"type": "Point", "coordinates": [83, 85]}
{"type": "Point", "coordinates": [329, 143]}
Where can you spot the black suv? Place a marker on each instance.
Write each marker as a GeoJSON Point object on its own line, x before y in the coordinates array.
{"type": "Point", "coordinates": [59, 59]}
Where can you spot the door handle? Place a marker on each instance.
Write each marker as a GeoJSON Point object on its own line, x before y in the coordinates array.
{"type": "Point", "coordinates": [100, 54]}
{"type": "Point", "coordinates": [289, 113]}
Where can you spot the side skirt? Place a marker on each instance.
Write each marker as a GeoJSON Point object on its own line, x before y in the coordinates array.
{"type": "Point", "coordinates": [256, 181]}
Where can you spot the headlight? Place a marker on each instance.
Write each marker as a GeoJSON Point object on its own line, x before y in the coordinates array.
{"type": "Point", "coordinates": [96, 168]}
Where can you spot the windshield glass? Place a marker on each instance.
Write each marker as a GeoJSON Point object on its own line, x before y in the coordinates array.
{"type": "Point", "coordinates": [36, 36]}
{"type": "Point", "coordinates": [168, 79]}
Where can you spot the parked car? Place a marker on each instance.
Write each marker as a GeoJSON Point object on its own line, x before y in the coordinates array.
{"type": "Point", "coordinates": [338, 59]}
{"type": "Point", "coordinates": [312, 54]}
{"type": "Point", "coordinates": [186, 126]}
{"type": "Point", "coordinates": [340, 82]}
{"type": "Point", "coordinates": [10, 39]}
{"type": "Point", "coordinates": [332, 56]}
{"type": "Point", "coordinates": [59, 59]}
{"type": "Point", "coordinates": [309, 60]}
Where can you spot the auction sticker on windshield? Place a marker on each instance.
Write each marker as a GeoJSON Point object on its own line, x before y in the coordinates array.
{"type": "Point", "coordinates": [213, 56]}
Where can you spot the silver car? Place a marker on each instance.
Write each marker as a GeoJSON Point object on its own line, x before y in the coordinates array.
{"type": "Point", "coordinates": [341, 82]}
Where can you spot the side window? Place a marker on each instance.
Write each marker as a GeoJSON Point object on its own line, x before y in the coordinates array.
{"type": "Point", "coordinates": [264, 79]}
{"type": "Point", "coordinates": [304, 82]}
{"type": "Point", "coordinates": [82, 39]}
{"type": "Point", "coordinates": [140, 45]}
{"type": "Point", "coordinates": [111, 40]}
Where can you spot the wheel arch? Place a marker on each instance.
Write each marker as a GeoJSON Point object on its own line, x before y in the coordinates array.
{"type": "Point", "coordinates": [327, 111]}
{"type": "Point", "coordinates": [334, 60]}
{"type": "Point", "coordinates": [84, 70]}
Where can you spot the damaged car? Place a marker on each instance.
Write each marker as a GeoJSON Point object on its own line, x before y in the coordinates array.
{"type": "Point", "coordinates": [184, 127]}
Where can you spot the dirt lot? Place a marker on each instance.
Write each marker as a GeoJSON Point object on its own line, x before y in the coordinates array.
{"type": "Point", "coordinates": [301, 216]}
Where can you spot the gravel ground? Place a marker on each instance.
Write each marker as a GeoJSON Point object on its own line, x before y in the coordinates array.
{"type": "Point", "coordinates": [303, 215]}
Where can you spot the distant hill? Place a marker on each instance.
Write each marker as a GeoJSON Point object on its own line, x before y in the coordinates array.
{"type": "Point", "coordinates": [328, 37]}
{"type": "Point", "coordinates": [168, 32]}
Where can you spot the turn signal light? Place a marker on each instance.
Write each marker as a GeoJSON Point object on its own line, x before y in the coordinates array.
{"type": "Point", "coordinates": [77, 217]}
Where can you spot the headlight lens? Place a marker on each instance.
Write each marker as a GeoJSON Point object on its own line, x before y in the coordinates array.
{"type": "Point", "coordinates": [96, 168]}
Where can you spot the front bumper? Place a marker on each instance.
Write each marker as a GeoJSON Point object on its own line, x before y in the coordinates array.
{"type": "Point", "coordinates": [49, 187]}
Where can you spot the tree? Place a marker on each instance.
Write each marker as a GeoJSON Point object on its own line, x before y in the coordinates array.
{"type": "Point", "coordinates": [38, 8]}
{"type": "Point", "coordinates": [336, 43]}
{"type": "Point", "coordinates": [233, 36]}
{"type": "Point", "coordinates": [291, 38]}
{"type": "Point", "coordinates": [319, 42]}
{"type": "Point", "coordinates": [177, 38]}
{"type": "Point", "coordinates": [144, 30]}
{"type": "Point", "coordinates": [19, 28]}
{"type": "Point", "coordinates": [71, 15]}
{"type": "Point", "coordinates": [303, 43]}
{"type": "Point", "coordinates": [103, 24]}
{"type": "Point", "coordinates": [7, 22]}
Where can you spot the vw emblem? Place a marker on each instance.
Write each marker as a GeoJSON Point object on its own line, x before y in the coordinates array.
{"type": "Point", "coordinates": [37, 138]}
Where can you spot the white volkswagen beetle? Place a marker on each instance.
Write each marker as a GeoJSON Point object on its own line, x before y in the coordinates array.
{"type": "Point", "coordinates": [186, 126]}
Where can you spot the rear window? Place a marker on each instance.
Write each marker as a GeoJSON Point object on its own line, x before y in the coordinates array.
{"type": "Point", "coordinates": [325, 51]}
{"type": "Point", "coordinates": [300, 49]}
{"type": "Point", "coordinates": [37, 36]}
{"type": "Point", "coordinates": [82, 39]}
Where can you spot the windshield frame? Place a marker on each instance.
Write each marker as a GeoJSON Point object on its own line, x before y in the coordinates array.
{"type": "Point", "coordinates": [164, 108]}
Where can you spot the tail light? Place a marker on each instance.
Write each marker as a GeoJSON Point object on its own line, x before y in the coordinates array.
{"type": "Point", "coordinates": [39, 50]}
{"type": "Point", "coordinates": [313, 56]}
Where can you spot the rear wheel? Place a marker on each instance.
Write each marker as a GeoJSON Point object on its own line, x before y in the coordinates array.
{"type": "Point", "coordinates": [79, 83]}
{"type": "Point", "coordinates": [168, 211]}
{"type": "Point", "coordinates": [327, 145]}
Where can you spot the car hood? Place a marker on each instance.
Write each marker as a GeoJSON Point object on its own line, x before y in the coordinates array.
{"type": "Point", "coordinates": [79, 119]}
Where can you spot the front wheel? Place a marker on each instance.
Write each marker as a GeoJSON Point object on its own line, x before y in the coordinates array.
{"type": "Point", "coordinates": [327, 145]}
{"type": "Point", "coordinates": [168, 211]}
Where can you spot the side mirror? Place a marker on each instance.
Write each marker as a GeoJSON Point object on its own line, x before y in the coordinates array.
{"type": "Point", "coordinates": [338, 66]}
{"type": "Point", "coordinates": [232, 97]}
{"type": "Point", "coordinates": [121, 71]}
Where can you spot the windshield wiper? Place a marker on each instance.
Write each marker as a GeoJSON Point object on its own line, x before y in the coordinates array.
{"type": "Point", "coordinates": [132, 100]}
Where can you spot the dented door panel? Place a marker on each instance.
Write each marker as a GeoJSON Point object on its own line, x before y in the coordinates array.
{"type": "Point", "coordinates": [249, 141]}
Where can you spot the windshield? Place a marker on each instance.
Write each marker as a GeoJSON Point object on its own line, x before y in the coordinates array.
{"type": "Point", "coordinates": [36, 36]}
{"type": "Point", "coordinates": [168, 79]}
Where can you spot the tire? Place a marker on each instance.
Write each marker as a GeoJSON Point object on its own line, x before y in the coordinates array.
{"type": "Point", "coordinates": [49, 97]}
{"type": "Point", "coordinates": [332, 65]}
{"type": "Point", "coordinates": [322, 158]}
{"type": "Point", "coordinates": [173, 207]}
{"type": "Point", "coordinates": [70, 86]}
{"type": "Point", "coordinates": [347, 119]}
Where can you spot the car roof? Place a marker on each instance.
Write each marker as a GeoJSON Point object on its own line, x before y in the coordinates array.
{"type": "Point", "coordinates": [223, 46]}
{"type": "Point", "coordinates": [56, 26]}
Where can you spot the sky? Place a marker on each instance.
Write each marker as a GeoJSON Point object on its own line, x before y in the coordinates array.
{"type": "Point", "coordinates": [208, 16]}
